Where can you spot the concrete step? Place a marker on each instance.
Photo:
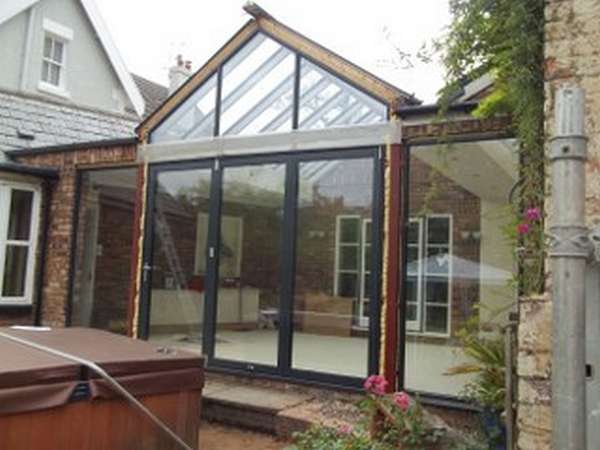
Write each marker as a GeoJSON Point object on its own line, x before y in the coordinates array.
{"type": "Point", "coordinates": [253, 407]}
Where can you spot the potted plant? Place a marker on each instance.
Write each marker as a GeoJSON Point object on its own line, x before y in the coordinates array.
{"type": "Point", "coordinates": [487, 388]}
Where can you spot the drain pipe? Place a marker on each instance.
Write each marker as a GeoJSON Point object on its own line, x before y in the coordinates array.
{"type": "Point", "coordinates": [569, 250]}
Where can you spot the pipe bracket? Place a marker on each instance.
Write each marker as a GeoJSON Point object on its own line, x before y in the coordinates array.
{"type": "Point", "coordinates": [569, 241]}
{"type": "Point", "coordinates": [568, 147]}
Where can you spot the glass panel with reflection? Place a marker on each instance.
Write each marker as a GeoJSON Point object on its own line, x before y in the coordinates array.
{"type": "Point", "coordinates": [250, 263]}
{"type": "Point", "coordinates": [335, 203]}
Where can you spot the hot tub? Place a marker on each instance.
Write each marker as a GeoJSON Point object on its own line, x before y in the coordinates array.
{"type": "Point", "coordinates": [48, 402]}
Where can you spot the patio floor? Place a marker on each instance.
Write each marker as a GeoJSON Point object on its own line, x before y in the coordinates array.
{"type": "Point", "coordinates": [425, 362]}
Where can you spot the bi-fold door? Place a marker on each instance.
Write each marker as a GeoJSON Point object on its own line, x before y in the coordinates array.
{"type": "Point", "coordinates": [251, 261]}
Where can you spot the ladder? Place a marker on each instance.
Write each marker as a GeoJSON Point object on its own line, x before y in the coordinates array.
{"type": "Point", "coordinates": [168, 246]}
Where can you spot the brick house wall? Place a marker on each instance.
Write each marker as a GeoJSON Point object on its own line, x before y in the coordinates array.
{"type": "Point", "coordinates": [56, 283]}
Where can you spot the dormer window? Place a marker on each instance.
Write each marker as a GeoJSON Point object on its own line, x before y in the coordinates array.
{"type": "Point", "coordinates": [53, 62]}
{"type": "Point", "coordinates": [53, 78]}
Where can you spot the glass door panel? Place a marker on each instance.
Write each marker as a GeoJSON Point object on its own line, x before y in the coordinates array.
{"type": "Point", "coordinates": [250, 255]}
{"type": "Point", "coordinates": [179, 265]}
{"type": "Point", "coordinates": [335, 206]}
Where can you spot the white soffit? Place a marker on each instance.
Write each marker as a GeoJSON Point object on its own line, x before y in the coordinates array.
{"type": "Point", "coordinates": [297, 140]}
{"type": "Point", "coordinates": [10, 8]}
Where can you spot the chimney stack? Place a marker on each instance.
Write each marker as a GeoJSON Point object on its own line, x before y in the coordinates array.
{"type": "Point", "coordinates": [179, 73]}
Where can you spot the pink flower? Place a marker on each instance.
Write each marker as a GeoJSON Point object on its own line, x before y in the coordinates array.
{"type": "Point", "coordinates": [533, 214]}
{"type": "Point", "coordinates": [345, 429]}
{"type": "Point", "coordinates": [375, 384]}
{"type": "Point", "coordinates": [402, 400]}
{"type": "Point", "coordinates": [523, 228]}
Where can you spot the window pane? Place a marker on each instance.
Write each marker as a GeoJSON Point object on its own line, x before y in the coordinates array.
{"type": "Point", "coordinates": [58, 51]}
{"type": "Point", "coordinates": [349, 257]}
{"type": "Point", "coordinates": [436, 319]}
{"type": "Point", "coordinates": [250, 258]}
{"type": "Point", "coordinates": [47, 47]}
{"type": "Point", "coordinates": [178, 292]}
{"type": "Point", "coordinates": [19, 223]}
{"type": "Point", "coordinates": [413, 233]}
{"type": "Point", "coordinates": [412, 256]}
{"type": "Point", "coordinates": [325, 319]}
{"type": "Point", "coordinates": [438, 230]}
{"type": "Point", "coordinates": [460, 194]}
{"type": "Point", "coordinates": [350, 230]}
{"type": "Point", "coordinates": [436, 291]}
{"type": "Point", "coordinates": [438, 260]}
{"type": "Point", "coordinates": [54, 74]}
{"type": "Point", "coordinates": [104, 247]}
{"type": "Point", "coordinates": [194, 118]}
{"type": "Point", "coordinates": [258, 88]}
{"type": "Point", "coordinates": [327, 101]}
{"type": "Point", "coordinates": [348, 285]}
{"type": "Point", "coordinates": [15, 271]}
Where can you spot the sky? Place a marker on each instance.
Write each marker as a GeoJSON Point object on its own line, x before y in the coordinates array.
{"type": "Point", "coordinates": [150, 33]}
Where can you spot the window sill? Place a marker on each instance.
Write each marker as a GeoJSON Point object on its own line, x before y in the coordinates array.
{"type": "Point", "coordinates": [54, 90]}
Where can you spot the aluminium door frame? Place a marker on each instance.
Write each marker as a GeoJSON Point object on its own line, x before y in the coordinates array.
{"type": "Point", "coordinates": [291, 160]}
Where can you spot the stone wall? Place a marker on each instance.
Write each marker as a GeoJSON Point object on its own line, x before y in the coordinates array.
{"type": "Point", "coordinates": [56, 280]}
{"type": "Point", "coordinates": [572, 56]}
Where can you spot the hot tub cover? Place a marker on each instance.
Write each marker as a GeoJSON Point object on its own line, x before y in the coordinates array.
{"type": "Point", "coordinates": [31, 379]}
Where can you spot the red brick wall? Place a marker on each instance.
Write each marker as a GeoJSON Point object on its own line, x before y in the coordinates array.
{"type": "Point", "coordinates": [56, 281]}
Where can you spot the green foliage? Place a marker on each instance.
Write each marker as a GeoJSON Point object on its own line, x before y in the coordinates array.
{"type": "Point", "coordinates": [504, 38]}
{"type": "Point", "coordinates": [396, 427]}
{"type": "Point", "coordinates": [488, 363]}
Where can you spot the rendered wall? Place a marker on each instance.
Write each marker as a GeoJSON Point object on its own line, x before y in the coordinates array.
{"type": "Point", "coordinates": [91, 80]}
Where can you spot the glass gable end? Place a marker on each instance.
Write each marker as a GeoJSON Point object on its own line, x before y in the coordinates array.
{"type": "Point", "coordinates": [326, 101]}
{"type": "Point", "coordinates": [264, 88]}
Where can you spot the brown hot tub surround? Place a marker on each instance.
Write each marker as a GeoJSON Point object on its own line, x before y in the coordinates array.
{"type": "Point", "coordinates": [49, 402]}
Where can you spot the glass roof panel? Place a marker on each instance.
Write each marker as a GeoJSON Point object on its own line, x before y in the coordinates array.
{"type": "Point", "coordinates": [257, 96]}
{"type": "Point", "coordinates": [327, 101]}
{"type": "Point", "coordinates": [194, 118]}
{"type": "Point", "coordinates": [258, 88]}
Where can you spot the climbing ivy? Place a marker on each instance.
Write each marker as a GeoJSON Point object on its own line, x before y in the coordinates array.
{"type": "Point", "coordinates": [504, 38]}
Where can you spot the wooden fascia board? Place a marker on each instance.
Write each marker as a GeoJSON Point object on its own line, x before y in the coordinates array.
{"type": "Point", "coordinates": [336, 64]}
{"type": "Point", "coordinates": [197, 79]}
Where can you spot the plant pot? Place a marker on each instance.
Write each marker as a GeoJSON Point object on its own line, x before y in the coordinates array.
{"type": "Point", "coordinates": [493, 427]}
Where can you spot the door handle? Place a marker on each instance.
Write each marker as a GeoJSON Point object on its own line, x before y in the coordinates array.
{"type": "Point", "coordinates": [146, 269]}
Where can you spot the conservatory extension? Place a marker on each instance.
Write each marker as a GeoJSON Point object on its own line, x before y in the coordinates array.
{"type": "Point", "coordinates": [300, 219]}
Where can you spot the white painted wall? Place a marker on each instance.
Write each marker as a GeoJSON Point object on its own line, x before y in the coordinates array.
{"type": "Point", "coordinates": [90, 79]}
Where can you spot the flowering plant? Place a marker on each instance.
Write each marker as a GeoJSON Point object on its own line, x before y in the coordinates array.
{"type": "Point", "coordinates": [389, 422]}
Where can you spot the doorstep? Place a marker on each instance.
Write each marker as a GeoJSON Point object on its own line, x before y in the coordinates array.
{"type": "Point", "coordinates": [276, 408]}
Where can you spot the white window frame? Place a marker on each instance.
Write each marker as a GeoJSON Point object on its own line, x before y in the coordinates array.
{"type": "Point", "coordinates": [6, 189]}
{"type": "Point", "coordinates": [415, 325]}
{"type": "Point", "coordinates": [338, 246]}
{"type": "Point", "coordinates": [363, 320]}
{"type": "Point", "coordinates": [360, 272]}
{"type": "Point", "coordinates": [418, 327]}
{"type": "Point", "coordinates": [57, 33]}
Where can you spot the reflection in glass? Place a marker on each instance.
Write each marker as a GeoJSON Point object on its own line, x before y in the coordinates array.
{"type": "Point", "coordinates": [15, 271]}
{"type": "Point", "coordinates": [258, 85]}
{"type": "Point", "coordinates": [327, 101]}
{"type": "Point", "coordinates": [459, 261]}
{"type": "Point", "coordinates": [250, 263]}
{"type": "Point", "coordinates": [19, 223]}
{"type": "Point", "coordinates": [179, 257]}
{"type": "Point", "coordinates": [335, 205]}
{"type": "Point", "coordinates": [194, 118]}
{"type": "Point", "coordinates": [104, 248]}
